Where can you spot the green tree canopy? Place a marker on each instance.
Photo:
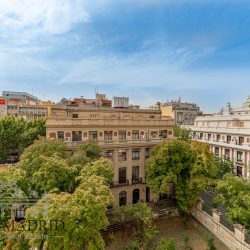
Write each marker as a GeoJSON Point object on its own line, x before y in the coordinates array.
{"type": "Point", "coordinates": [188, 166]}
{"type": "Point", "coordinates": [182, 133]}
{"type": "Point", "coordinates": [224, 166]}
{"type": "Point", "coordinates": [17, 134]}
{"type": "Point", "coordinates": [234, 194]}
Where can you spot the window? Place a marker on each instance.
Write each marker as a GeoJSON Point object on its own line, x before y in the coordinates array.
{"type": "Point", "coordinates": [153, 134]}
{"type": "Point", "coordinates": [135, 154]}
{"type": "Point", "coordinates": [135, 174]}
{"type": "Point", "coordinates": [122, 198]}
{"type": "Point", "coordinates": [122, 155]}
{"type": "Point", "coordinates": [216, 151]}
{"type": "Point", "coordinates": [242, 124]}
{"type": "Point", "coordinates": [122, 175]}
{"type": "Point", "coordinates": [93, 135]}
{"type": "Point", "coordinates": [239, 156]}
{"type": "Point", "coordinates": [239, 171]}
{"type": "Point", "coordinates": [227, 153]}
{"type": "Point", "coordinates": [76, 136]}
{"type": "Point", "coordinates": [209, 136]}
{"type": "Point", "coordinates": [75, 116]}
{"type": "Point", "coordinates": [109, 154]}
{"type": "Point", "coordinates": [163, 134]}
{"type": "Point", "coordinates": [108, 135]}
{"type": "Point", "coordinates": [228, 138]}
{"type": "Point", "coordinates": [135, 134]}
{"type": "Point", "coordinates": [241, 140]}
{"type": "Point", "coordinates": [60, 135]}
{"type": "Point", "coordinates": [217, 137]}
{"type": "Point", "coordinates": [122, 135]}
{"type": "Point", "coordinates": [201, 136]}
{"type": "Point", "coordinates": [147, 152]}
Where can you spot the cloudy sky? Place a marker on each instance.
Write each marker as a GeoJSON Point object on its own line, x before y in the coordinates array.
{"type": "Point", "coordinates": [149, 50]}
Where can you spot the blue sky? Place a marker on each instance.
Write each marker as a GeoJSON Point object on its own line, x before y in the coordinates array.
{"type": "Point", "coordinates": [149, 50]}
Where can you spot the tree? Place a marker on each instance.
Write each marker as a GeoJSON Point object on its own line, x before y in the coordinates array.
{"type": "Point", "coordinates": [17, 134]}
{"type": "Point", "coordinates": [142, 215]}
{"type": "Point", "coordinates": [224, 166]}
{"type": "Point", "coordinates": [102, 167]}
{"type": "Point", "coordinates": [234, 194]}
{"type": "Point", "coordinates": [10, 194]}
{"type": "Point", "coordinates": [80, 217]}
{"type": "Point", "coordinates": [188, 166]}
{"type": "Point", "coordinates": [182, 133]}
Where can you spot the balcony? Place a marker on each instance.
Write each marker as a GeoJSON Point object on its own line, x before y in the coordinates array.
{"type": "Point", "coordinates": [127, 183]}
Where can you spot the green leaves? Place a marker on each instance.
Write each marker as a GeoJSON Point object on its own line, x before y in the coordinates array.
{"type": "Point", "coordinates": [234, 194]}
{"type": "Point", "coordinates": [189, 166]}
{"type": "Point", "coordinates": [17, 134]}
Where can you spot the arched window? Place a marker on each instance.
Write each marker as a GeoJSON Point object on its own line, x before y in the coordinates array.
{"type": "Point", "coordinates": [136, 195]}
{"type": "Point", "coordinates": [122, 198]}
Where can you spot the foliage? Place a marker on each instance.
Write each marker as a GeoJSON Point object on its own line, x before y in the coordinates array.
{"type": "Point", "coordinates": [102, 167]}
{"type": "Point", "coordinates": [17, 134]}
{"type": "Point", "coordinates": [211, 245]}
{"type": "Point", "coordinates": [10, 193]}
{"type": "Point", "coordinates": [164, 244]}
{"type": "Point", "coordinates": [182, 133]}
{"type": "Point", "coordinates": [234, 194]}
{"type": "Point", "coordinates": [189, 166]}
{"type": "Point", "coordinates": [79, 206]}
{"type": "Point", "coordinates": [80, 217]}
{"type": "Point", "coordinates": [224, 166]}
{"type": "Point", "coordinates": [142, 215]}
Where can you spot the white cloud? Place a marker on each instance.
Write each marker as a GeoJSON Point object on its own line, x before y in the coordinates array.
{"type": "Point", "coordinates": [39, 17]}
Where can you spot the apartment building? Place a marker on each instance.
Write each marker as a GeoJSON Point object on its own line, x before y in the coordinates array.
{"type": "Point", "coordinates": [183, 113]}
{"type": "Point", "coordinates": [23, 105]}
{"type": "Point", "coordinates": [125, 135]}
{"type": "Point", "coordinates": [228, 133]}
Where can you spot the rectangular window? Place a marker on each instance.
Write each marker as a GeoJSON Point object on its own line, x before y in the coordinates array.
{"type": "Point", "coordinates": [109, 154]}
{"type": "Point", "coordinates": [135, 134]}
{"type": "Point", "coordinates": [242, 124]}
{"type": "Point", "coordinates": [229, 139]}
{"type": "Point", "coordinates": [122, 135]}
{"type": "Point", "coordinates": [153, 134]}
{"type": "Point", "coordinates": [76, 135]}
{"type": "Point", "coordinates": [227, 153]}
{"type": "Point", "coordinates": [75, 116]}
{"type": "Point", "coordinates": [93, 135]}
{"type": "Point", "coordinates": [60, 135]}
{"type": "Point", "coordinates": [135, 154]}
{"type": "Point", "coordinates": [241, 140]}
{"type": "Point", "coordinates": [209, 136]}
{"type": "Point", "coordinates": [122, 155]}
{"type": "Point", "coordinates": [217, 137]}
{"type": "Point", "coordinates": [239, 156]}
{"type": "Point", "coordinates": [216, 151]}
{"type": "Point", "coordinates": [163, 134]}
{"type": "Point", "coordinates": [147, 153]}
{"type": "Point", "coordinates": [135, 174]}
{"type": "Point", "coordinates": [108, 135]}
{"type": "Point", "coordinates": [122, 175]}
{"type": "Point", "coordinates": [201, 136]}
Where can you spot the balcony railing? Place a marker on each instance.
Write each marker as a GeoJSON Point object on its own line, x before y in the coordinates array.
{"type": "Point", "coordinates": [128, 182]}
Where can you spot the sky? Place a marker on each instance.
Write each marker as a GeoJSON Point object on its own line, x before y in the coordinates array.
{"type": "Point", "coordinates": [148, 50]}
